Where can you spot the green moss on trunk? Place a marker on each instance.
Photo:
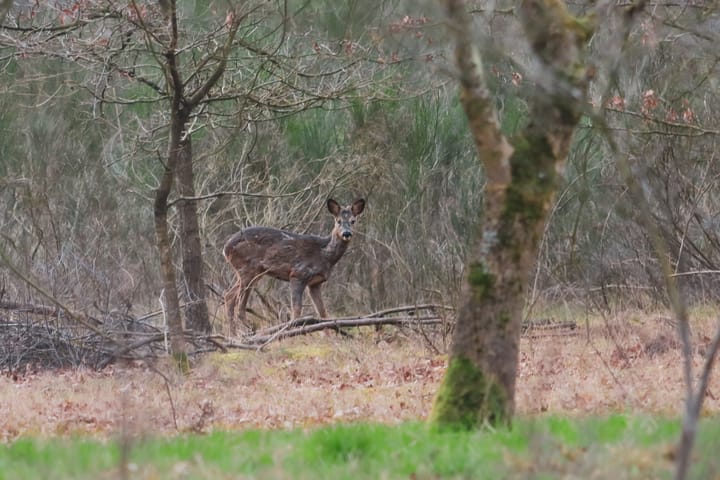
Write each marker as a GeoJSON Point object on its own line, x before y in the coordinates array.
{"type": "Point", "coordinates": [468, 398]}
{"type": "Point", "coordinates": [481, 281]}
{"type": "Point", "coordinates": [534, 179]}
{"type": "Point", "coordinates": [182, 362]}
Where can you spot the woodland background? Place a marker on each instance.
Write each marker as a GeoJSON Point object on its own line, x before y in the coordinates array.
{"type": "Point", "coordinates": [81, 149]}
{"type": "Point", "coordinates": [287, 103]}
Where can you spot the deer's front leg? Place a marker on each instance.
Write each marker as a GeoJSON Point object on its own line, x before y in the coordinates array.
{"type": "Point", "coordinates": [297, 287]}
{"type": "Point", "coordinates": [317, 300]}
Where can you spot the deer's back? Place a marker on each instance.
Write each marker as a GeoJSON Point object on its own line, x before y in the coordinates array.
{"type": "Point", "coordinates": [279, 253]}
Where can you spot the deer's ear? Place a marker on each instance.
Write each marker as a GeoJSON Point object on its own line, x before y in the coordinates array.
{"type": "Point", "coordinates": [358, 206]}
{"type": "Point", "coordinates": [333, 207]}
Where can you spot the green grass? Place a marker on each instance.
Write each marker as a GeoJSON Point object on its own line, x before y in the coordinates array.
{"type": "Point", "coordinates": [551, 447]}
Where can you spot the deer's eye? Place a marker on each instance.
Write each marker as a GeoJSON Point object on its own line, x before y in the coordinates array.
{"type": "Point", "coordinates": [352, 222]}
{"type": "Point", "coordinates": [339, 222]}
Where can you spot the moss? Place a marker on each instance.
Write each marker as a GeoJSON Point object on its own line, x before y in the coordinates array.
{"type": "Point", "coordinates": [467, 398]}
{"type": "Point", "coordinates": [480, 280]}
{"type": "Point", "coordinates": [583, 27]}
{"type": "Point", "coordinates": [300, 352]}
{"type": "Point", "coordinates": [533, 178]}
{"type": "Point", "coordinates": [182, 362]}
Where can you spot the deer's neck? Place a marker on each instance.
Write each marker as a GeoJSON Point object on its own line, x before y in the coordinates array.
{"type": "Point", "coordinates": [335, 249]}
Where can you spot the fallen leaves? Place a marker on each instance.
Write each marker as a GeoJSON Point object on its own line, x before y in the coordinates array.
{"type": "Point", "coordinates": [320, 380]}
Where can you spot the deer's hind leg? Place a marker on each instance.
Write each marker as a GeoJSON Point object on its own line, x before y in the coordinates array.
{"type": "Point", "coordinates": [244, 296]}
{"type": "Point", "coordinates": [236, 298]}
{"type": "Point", "coordinates": [231, 297]}
{"type": "Point", "coordinates": [297, 288]}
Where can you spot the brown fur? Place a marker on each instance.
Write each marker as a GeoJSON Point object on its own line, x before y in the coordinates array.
{"type": "Point", "coordinates": [302, 260]}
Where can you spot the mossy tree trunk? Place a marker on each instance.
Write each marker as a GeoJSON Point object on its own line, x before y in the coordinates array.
{"type": "Point", "coordinates": [521, 181]}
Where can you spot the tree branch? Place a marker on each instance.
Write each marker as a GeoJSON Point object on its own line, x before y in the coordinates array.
{"type": "Point", "coordinates": [240, 194]}
{"type": "Point", "coordinates": [493, 148]}
{"type": "Point", "coordinates": [222, 53]}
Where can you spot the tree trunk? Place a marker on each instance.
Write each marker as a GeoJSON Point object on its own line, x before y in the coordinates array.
{"type": "Point", "coordinates": [171, 301]}
{"type": "Point", "coordinates": [479, 385]}
{"type": "Point", "coordinates": [521, 181]}
{"type": "Point", "coordinates": [180, 156]}
{"type": "Point", "coordinates": [179, 115]}
{"type": "Point", "coordinates": [5, 6]}
{"type": "Point", "coordinates": [196, 311]}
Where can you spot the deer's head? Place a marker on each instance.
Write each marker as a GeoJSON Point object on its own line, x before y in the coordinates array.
{"type": "Point", "coordinates": [345, 217]}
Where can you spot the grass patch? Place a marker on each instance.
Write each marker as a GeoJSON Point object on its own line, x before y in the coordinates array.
{"type": "Point", "coordinates": [618, 446]}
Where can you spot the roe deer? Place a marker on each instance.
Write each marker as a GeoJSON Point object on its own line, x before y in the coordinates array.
{"type": "Point", "coordinates": [302, 260]}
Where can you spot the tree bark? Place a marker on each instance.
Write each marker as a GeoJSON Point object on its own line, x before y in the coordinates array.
{"type": "Point", "coordinates": [171, 302]}
{"type": "Point", "coordinates": [521, 181]}
{"type": "Point", "coordinates": [181, 159]}
{"type": "Point", "coordinates": [5, 6]}
{"type": "Point", "coordinates": [196, 312]}
{"type": "Point", "coordinates": [179, 115]}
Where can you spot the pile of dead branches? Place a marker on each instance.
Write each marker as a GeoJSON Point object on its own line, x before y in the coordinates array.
{"type": "Point", "coordinates": [41, 337]}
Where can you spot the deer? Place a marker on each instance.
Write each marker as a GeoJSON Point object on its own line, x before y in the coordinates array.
{"type": "Point", "coordinates": [305, 261]}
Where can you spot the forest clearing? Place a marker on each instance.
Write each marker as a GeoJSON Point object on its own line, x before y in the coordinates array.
{"type": "Point", "coordinates": [599, 401]}
{"type": "Point", "coordinates": [530, 189]}
{"type": "Point", "coordinates": [629, 363]}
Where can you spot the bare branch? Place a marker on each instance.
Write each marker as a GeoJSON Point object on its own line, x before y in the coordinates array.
{"type": "Point", "coordinates": [222, 54]}
{"type": "Point", "coordinates": [240, 194]}
{"type": "Point", "coordinates": [77, 317]}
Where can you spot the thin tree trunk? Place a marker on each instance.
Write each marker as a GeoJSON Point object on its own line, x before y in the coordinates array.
{"type": "Point", "coordinates": [171, 302]}
{"type": "Point", "coordinates": [180, 163]}
{"type": "Point", "coordinates": [5, 6]}
{"type": "Point", "coordinates": [196, 311]}
{"type": "Point", "coordinates": [179, 116]}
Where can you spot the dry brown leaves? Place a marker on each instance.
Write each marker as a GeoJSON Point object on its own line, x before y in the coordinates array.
{"type": "Point", "coordinates": [617, 366]}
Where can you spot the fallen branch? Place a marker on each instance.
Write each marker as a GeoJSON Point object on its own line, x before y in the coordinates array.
{"type": "Point", "coordinates": [547, 325]}
{"type": "Point", "coordinates": [312, 325]}
{"type": "Point", "coordinates": [363, 320]}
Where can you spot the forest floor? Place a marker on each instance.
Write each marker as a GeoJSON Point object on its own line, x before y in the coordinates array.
{"type": "Point", "coordinates": [631, 362]}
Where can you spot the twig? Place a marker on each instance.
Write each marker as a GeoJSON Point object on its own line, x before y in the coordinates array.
{"type": "Point", "coordinates": [220, 194]}
{"type": "Point", "coordinates": [410, 308]}
{"type": "Point", "coordinates": [274, 336]}
{"type": "Point", "coordinates": [169, 393]}
{"type": "Point", "coordinates": [694, 404]}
